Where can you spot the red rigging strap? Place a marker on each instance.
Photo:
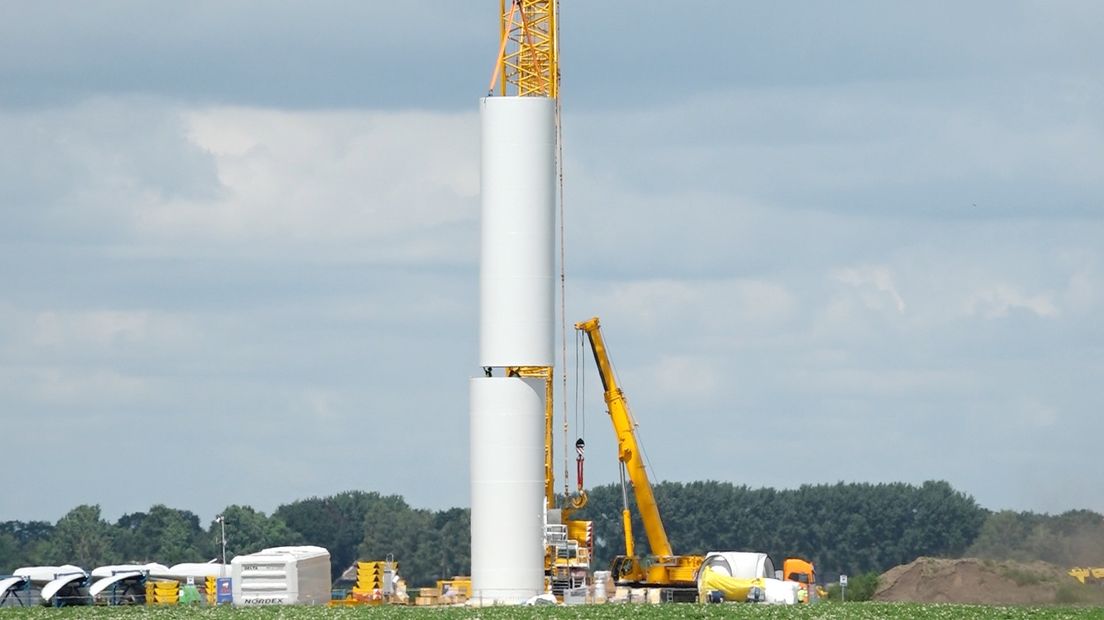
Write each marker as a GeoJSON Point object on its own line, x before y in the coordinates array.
{"type": "Point", "coordinates": [579, 447]}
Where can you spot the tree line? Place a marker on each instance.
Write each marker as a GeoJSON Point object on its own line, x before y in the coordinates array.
{"type": "Point", "coordinates": [843, 528]}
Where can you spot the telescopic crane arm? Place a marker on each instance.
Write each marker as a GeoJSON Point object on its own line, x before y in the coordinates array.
{"type": "Point", "coordinates": [628, 449]}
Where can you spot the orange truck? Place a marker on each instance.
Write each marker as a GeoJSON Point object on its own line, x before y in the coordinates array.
{"type": "Point", "coordinates": [802, 572]}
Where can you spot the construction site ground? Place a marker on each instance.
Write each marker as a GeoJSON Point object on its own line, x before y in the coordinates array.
{"type": "Point", "coordinates": [986, 582]}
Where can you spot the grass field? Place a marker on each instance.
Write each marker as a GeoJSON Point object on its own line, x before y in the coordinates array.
{"type": "Point", "coordinates": [847, 611]}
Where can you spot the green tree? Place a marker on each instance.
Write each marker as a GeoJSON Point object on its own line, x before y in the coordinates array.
{"type": "Point", "coordinates": [392, 527]}
{"type": "Point", "coordinates": [10, 556]}
{"type": "Point", "coordinates": [336, 523]}
{"type": "Point", "coordinates": [859, 588]}
{"type": "Point", "coordinates": [248, 531]}
{"type": "Point", "coordinates": [1071, 538]}
{"type": "Point", "coordinates": [164, 535]}
{"type": "Point", "coordinates": [23, 543]}
{"type": "Point", "coordinates": [81, 537]}
{"type": "Point", "coordinates": [850, 528]}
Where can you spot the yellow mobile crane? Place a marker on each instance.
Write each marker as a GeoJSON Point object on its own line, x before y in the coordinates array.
{"type": "Point", "coordinates": [663, 568]}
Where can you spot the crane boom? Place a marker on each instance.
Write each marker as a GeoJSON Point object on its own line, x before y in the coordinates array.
{"type": "Point", "coordinates": [628, 449]}
{"type": "Point", "coordinates": [528, 63]}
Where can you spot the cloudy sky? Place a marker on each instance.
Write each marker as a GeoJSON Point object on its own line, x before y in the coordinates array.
{"type": "Point", "coordinates": [238, 245]}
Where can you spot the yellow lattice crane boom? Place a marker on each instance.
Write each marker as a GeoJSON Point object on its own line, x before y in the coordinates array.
{"type": "Point", "coordinates": [528, 56]}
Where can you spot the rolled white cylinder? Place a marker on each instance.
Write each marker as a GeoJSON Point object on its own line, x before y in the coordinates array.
{"type": "Point", "coordinates": [507, 489]}
{"type": "Point", "coordinates": [517, 262]}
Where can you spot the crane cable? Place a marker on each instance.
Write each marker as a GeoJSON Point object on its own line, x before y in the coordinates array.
{"type": "Point", "coordinates": [635, 426]}
{"type": "Point", "coordinates": [563, 286]}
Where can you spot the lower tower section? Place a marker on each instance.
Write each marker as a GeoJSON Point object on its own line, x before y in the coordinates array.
{"type": "Point", "coordinates": [507, 489]}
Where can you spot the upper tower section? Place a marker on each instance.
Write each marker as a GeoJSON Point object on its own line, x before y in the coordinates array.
{"type": "Point", "coordinates": [528, 56]}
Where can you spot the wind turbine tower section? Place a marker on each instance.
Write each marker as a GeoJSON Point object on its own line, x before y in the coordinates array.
{"type": "Point", "coordinates": [517, 307]}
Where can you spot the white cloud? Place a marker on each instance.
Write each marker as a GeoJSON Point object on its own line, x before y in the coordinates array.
{"type": "Point", "coordinates": [107, 328]}
{"type": "Point", "coordinates": [328, 177]}
{"type": "Point", "coordinates": [1034, 414]}
{"type": "Point", "coordinates": [1084, 291]}
{"type": "Point", "coordinates": [682, 378]}
{"type": "Point", "coordinates": [997, 301]}
{"type": "Point", "coordinates": [162, 179]}
{"type": "Point", "coordinates": [92, 389]}
{"type": "Point", "coordinates": [715, 305]}
{"type": "Point", "coordinates": [876, 277]}
{"type": "Point", "coordinates": [839, 379]}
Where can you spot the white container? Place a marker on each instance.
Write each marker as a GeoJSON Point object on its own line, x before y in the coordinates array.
{"type": "Point", "coordinates": [507, 489]}
{"type": "Point", "coordinates": [518, 219]}
{"type": "Point", "coordinates": [282, 576]}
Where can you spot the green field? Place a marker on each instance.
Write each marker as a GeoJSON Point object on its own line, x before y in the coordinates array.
{"type": "Point", "coordinates": [847, 611]}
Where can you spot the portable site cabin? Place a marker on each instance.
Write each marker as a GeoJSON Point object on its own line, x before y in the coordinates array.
{"type": "Point", "coordinates": [282, 576]}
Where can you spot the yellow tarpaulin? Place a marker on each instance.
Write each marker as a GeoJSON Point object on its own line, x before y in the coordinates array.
{"type": "Point", "coordinates": [732, 588]}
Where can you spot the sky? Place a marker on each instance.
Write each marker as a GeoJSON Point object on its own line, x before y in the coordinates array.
{"type": "Point", "coordinates": [852, 241]}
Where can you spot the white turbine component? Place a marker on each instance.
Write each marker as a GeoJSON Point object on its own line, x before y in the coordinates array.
{"type": "Point", "coordinates": [517, 265]}
{"type": "Point", "coordinates": [507, 489]}
{"type": "Point", "coordinates": [45, 574]}
{"type": "Point", "coordinates": [740, 564]}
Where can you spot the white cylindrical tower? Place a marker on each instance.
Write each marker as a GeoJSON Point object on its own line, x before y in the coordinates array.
{"type": "Point", "coordinates": [517, 267]}
{"type": "Point", "coordinates": [507, 489]}
{"type": "Point", "coordinates": [517, 329]}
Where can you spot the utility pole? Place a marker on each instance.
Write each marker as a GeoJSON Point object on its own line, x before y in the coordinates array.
{"type": "Point", "coordinates": [222, 525]}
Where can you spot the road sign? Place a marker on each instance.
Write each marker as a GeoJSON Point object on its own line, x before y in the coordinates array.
{"type": "Point", "coordinates": [843, 581]}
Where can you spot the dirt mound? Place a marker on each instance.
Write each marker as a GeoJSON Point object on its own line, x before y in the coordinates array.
{"type": "Point", "coordinates": [932, 580]}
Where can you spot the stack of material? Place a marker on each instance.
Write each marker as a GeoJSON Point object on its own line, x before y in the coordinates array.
{"type": "Point", "coordinates": [624, 594]}
{"type": "Point", "coordinates": [371, 578]}
{"type": "Point", "coordinates": [576, 596]}
{"type": "Point", "coordinates": [427, 596]}
{"type": "Point", "coordinates": [455, 590]}
{"type": "Point", "coordinates": [162, 592]}
{"type": "Point", "coordinates": [602, 583]}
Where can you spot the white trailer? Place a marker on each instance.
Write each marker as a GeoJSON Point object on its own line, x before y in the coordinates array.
{"type": "Point", "coordinates": [282, 576]}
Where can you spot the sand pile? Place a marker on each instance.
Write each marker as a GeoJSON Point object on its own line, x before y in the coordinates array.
{"type": "Point", "coordinates": [932, 580]}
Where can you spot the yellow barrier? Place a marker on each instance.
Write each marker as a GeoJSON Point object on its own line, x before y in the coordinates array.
{"type": "Point", "coordinates": [1084, 574]}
